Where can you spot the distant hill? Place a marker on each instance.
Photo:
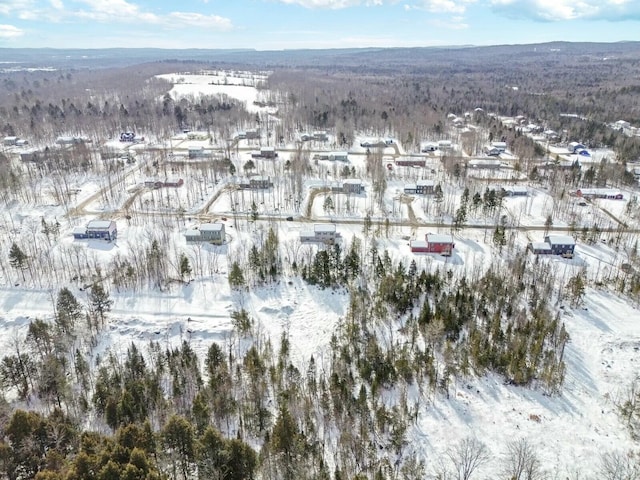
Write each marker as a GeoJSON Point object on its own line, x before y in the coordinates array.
{"type": "Point", "coordinates": [360, 58]}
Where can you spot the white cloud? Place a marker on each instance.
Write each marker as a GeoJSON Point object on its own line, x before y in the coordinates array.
{"type": "Point", "coordinates": [440, 6]}
{"type": "Point", "coordinates": [9, 31]}
{"type": "Point", "coordinates": [199, 20]}
{"type": "Point", "coordinates": [558, 10]}
{"type": "Point", "coordinates": [109, 11]}
{"type": "Point", "coordinates": [9, 7]}
{"type": "Point", "coordinates": [332, 4]}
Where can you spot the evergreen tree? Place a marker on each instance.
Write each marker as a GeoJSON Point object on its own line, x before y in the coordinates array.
{"type": "Point", "coordinates": [18, 259]}
{"type": "Point", "coordinates": [236, 277]}
{"type": "Point", "coordinates": [185, 266]}
{"type": "Point", "coordinates": [68, 311]}
{"type": "Point", "coordinates": [100, 301]}
{"type": "Point", "coordinates": [178, 438]}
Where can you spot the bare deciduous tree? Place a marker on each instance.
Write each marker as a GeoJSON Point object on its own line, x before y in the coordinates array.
{"type": "Point", "coordinates": [466, 457]}
{"type": "Point", "coordinates": [521, 461]}
{"type": "Point", "coordinates": [619, 466]}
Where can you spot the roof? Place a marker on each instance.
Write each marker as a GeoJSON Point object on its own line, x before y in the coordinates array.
{"type": "Point", "coordinates": [211, 227]}
{"type": "Point", "coordinates": [485, 163]}
{"type": "Point", "coordinates": [425, 183]}
{"type": "Point", "coordinates": [438, 238]}
{"type": "Point", "coordinates": [324, 227]}
{"type": "Point", "coordinates": [353, 181]}
{"type": "Point", "coordinates": [599, 191]}
{"type": "Point", "coordinates": [540, 246]}
{"type": "Point", "coordinates": [100, 224]}
{"type": "Point", "coordinates": [418, 244]}
{"type": "Point", "coordinates": [79, 230]}
{"type": "Point", "coordinates": [561, 240]}
{"type": "Point", "coordinates": [192, 233]}
{"type": "Point", "coordinates": [515, 188]}
{"type": "Point", "coordinates": [410, 186]}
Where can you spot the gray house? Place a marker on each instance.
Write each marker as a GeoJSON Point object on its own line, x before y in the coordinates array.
{"type": "Point", "coordinates": [207, 232]}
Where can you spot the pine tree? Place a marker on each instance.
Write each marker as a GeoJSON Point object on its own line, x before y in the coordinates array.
{"type": "Point", "coordinates": [18, 259]}
{"type": "Point", "coordinates": [100, 301]}
{"type": "Point", "coordinates": [68, 311]}
{"type": "Point", "coordinates": [185, 266]}
{"type": "Point", "coordinates": [236, 277]}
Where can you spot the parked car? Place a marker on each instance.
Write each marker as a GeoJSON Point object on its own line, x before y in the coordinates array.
{"type": "Point", "coordinates": [289, 219]}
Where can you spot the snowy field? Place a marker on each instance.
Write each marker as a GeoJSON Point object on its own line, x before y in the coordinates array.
{"type": "Point", "coordinates": [239, 85]}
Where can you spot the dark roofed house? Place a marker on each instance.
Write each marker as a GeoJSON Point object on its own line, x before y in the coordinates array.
{"type": "Point", "coordinates": [561, 245]}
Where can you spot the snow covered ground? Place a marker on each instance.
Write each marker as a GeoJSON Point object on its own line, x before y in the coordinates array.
{"type": "Point", "coordinates": [239, 85]}
{"type": "Point", "coordinates": [569, 430]}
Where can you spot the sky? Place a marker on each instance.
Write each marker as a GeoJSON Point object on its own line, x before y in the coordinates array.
{"type": "Point", "coordinates": [295, 24]}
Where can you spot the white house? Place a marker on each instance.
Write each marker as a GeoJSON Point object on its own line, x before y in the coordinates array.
{"type": "Point", "coordinates": [321, 233]}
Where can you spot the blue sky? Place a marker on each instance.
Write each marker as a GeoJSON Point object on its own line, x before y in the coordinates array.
{"type": "Point", "coordinates": [282, 24]}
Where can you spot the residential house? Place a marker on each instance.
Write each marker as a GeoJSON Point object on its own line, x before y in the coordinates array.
{"type": "Point", "coordinates": [97, 229]}
{"type": "Point", "coordinates": [268, 152]}
{"type": "Point", "coordinates": [515, 191]}
{"type": "Point", "coordinates": [607, 193]}
{"type": "Point", "coordinates": [426, 147]}
{"type": "Point", "coordinates": [540, 248]}
{"type": "Point", "coordinates": [434, 243]}
{"type": "Point", "coordinates": [339, 156]}
{"type": "Point", "coordinates": [321, 233]}
{"type": "Point", "coordinates": [411, 161]}
{"type": "Point", "coordinates": [207, 232]}
{"type": "Point", "coordinates": [485, 164]}
{"type": "Point", "coordinates": [425, 187]}
{"type": "Point", "coordinates": [561, 245]}
{"type": "Point", "coordinates": [320, 136]}
{"type": "Point", "coordinates": [259, 182]}
{"type": "Point", "coordinates": [573, 147]}
{"type": "Point", "coordinates": [500, 146]}
{"type": "Point", "coordinates": [352, 185]}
